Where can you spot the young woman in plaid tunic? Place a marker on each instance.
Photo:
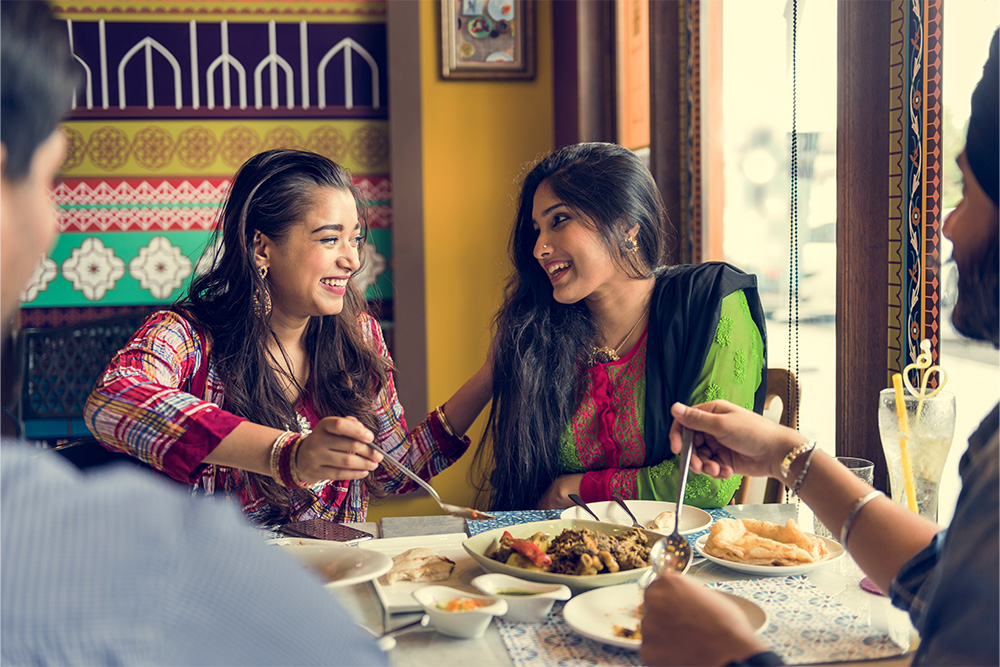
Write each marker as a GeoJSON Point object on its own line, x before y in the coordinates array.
{"type": "Point", "coordinates": [275, 338]}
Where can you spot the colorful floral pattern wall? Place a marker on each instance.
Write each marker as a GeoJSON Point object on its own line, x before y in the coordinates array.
{"type": "Point", "coordinates": [177, 94]}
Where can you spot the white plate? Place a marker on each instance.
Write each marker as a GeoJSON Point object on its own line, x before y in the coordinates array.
{"type": "Point", "coordinates": [338, 564]}
{"type": "Point", "coordinates": [398, 598]}
{"type": "Point", "coordinates": [485, 543]}
{"type": "Point", "coordinates": [836, 551]}
{"type": "Point", "coordinates": [595, 614]}
{"type": "Point", "coordinates": [692, 519]}
{"type": "Point", "coordinates": [500, 10]}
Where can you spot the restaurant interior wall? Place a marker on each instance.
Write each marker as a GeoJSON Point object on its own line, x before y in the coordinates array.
{"type": "Point", "coordinates": [176, 95]}
{"type": "Point", "coordinates": [477, 138]}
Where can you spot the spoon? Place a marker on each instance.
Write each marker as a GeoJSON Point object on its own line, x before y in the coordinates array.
{"type": "Point", "coordinates": [579, 501]}
{"type": "Point", "coordinates": [387, 640]}
{"type": "Point", "coordinates": [676, 548]}
{"type": "Point", "coordinates": [455, 510]}
{"type": "Point", "coordinates": [618, 499]}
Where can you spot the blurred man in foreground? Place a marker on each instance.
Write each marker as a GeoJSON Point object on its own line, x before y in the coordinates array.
{"type": "Point", "coordinates": [116, 568]}
{"type": "Point", "coordinates": [946, 579]}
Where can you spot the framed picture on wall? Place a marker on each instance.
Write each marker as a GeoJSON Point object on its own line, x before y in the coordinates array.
{"type": "Point", "coordinates": [488, 39]}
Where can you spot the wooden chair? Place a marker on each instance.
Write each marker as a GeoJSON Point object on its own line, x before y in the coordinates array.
{"type": "Point", "coordinates": [779, 382]}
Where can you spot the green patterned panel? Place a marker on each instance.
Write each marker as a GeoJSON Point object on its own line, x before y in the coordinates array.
{"type": "Point", "coordinates": [148, 268]}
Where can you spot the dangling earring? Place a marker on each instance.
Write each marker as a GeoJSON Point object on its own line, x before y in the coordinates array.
{"type": "Point", "coordinates": [262, 298]}
{"type": "Point", "coordinates": [630, 244]}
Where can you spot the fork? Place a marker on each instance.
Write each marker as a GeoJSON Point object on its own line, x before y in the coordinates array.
{"type": "Point", "coordinates": [454, 510]}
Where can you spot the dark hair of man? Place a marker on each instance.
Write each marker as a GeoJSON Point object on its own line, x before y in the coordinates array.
{"type": "Point", "coordinates": [271, 192]}
{"type": "Point", "coordinates": [542, 347]}
{"type": "Point", "coordinates": [37, 80]}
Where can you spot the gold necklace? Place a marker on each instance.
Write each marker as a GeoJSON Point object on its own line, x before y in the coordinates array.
{"type": "Point", "coordinates": [603, 355]}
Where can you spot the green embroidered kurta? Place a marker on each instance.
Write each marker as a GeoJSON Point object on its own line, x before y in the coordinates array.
{"type": "Point", "coordinates": [605, 439]}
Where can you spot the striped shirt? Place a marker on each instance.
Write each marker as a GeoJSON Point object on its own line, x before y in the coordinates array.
{"type": "Point", "coordinates": [118, 567]}
{"type": "Point", "coordinates": [159, 401]}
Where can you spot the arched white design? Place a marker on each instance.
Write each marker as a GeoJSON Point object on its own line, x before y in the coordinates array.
{"type": "Point", "coordinates": [273, 59]}
{"type": "Point", "coordinates": [148, 44]}
{"type": "Point", "coordinates": [103, 41]}
{"type": "Point", "coordinates": [304, 61]}
{"type": "Point", "coordinates": [226, 61]}
{"type": "Point", "coordinates": [86, 68]}
{"type": "Point", "coordinates": [195, 96]}
{"type": "Point", "coordinates": [348, 46]}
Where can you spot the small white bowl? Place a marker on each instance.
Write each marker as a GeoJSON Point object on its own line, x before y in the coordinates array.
{"type": "Point", "coordinates": [470, 624]}
{"type": "Point", "coordinates": [531, 602]}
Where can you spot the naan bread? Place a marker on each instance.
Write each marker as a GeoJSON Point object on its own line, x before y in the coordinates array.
{"type": "Point", "coordinates": [663, 521]}
{"type": "Point", "coordinates": [764, 543]}
{"type": "Point", "coordinates": [418, 565]}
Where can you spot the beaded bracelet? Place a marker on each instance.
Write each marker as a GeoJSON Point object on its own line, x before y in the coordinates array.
{"type": "Point", "coordinates": [439, 411]}
{"type": "Point", "coordinates": [805, 469]}
{"type": "Point", "coordinates": [845, 530]}
{"type": "Point", "coordinates": [283, 453]}
{"type": "Point", "coordinates": [790, 457]}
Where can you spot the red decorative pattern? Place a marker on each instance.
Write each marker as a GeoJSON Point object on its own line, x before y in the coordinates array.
{"type": "Point", "coordinates": [173, 204]}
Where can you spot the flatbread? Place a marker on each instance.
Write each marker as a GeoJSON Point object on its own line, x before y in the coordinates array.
{"type": "Point", "coordinates": [756, 542]}
{"type": "Point", "coordinates": [663, 521]}
{"type": "Point", "coordinates": [418, 565]}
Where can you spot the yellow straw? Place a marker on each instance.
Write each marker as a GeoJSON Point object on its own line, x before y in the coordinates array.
{"type": "Point", "coordinates": [904, 427]}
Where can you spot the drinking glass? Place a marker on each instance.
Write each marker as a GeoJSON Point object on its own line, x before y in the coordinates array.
{"type": "Point", "coordinates": [864, 470]}
{"type": "Point", "coordinates": [931, 427]}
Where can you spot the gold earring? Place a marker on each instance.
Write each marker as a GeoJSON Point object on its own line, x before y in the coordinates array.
{"type": "Point", "coordinates": [262, 297]}
{"type": "Point", "coordinates": [630, 244]}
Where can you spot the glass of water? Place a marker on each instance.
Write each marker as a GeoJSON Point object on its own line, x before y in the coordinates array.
{"type": "Point", "coordinates": [863, 469]}
{"type": "Point", "coordinates": [931, 428]}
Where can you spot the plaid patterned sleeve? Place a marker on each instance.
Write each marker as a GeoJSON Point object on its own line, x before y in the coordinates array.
{"type": "Point", "coordinates": [142, 405]}
{"type": "Point", "coordinates": [427, 449]}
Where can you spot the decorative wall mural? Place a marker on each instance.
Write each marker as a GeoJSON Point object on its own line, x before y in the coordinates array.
{"type": "Point", "coordinates": [43, 274]}
{"type": "Point", "coordinates": [93, 269]}
{"type": "Point", "coordinates": [176, 96]}
{"type": "Point", "coordinates": [160, 267]}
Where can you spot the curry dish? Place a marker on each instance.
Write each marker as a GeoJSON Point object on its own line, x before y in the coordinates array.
{"type": "Point", "coordinates": [575, 551]}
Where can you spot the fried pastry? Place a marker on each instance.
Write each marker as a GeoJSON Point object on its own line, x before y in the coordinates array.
{"type": "Point", "coordinates": [764, 543]}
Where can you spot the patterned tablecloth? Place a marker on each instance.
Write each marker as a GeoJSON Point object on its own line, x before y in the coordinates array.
{"type": "Point", "coordinates": [805, 625]}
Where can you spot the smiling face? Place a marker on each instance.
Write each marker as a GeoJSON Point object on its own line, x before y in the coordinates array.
{"type": "Point", "coordinates": [308, 270]}
{"type": "Point", "coordinates": [570, 250]}
{"type": "Point", "coordinates": [973, 230]}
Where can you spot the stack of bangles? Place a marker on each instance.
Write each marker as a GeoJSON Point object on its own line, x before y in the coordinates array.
{"type": "Point", "coordinates": [284, 453]}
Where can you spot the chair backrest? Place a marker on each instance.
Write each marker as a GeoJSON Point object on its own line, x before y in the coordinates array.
{"type": "Point", "coordinates": [783, 385]}
{"type": "Point", "coordinates": [59, 367]}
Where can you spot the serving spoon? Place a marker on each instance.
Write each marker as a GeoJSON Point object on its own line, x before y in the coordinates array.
{"type": "Point", "coordinates": [621, 502]}
{"type": "Point", "coordinates": [577, 500]}
{"type": "Point", "coordinates": [676, 551]}
{"type": "Point", "coordinates": [454, 510]}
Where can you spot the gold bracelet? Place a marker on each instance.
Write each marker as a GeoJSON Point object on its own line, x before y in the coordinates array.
{"type": "Point", "coordinates": [439, 411]}
{"type": "Point", "coordinates": [294, 463]}
{"type": "Point", "coordinates": [790, 457]}
{"type": "Point", "coordinates": [276, 448]}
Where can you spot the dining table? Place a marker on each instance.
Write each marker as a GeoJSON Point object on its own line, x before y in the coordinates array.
{"type": "Point", "coordinates": [822, 616]}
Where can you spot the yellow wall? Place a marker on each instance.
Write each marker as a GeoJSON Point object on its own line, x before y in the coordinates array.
{"type": "Point", "coordinates": [477, 138]}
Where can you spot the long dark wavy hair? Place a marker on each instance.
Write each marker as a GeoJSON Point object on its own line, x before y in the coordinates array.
{"type": "Point", "coordinates": [271, 192]}
{"type": "Point", "coordinates": [542, 347]}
